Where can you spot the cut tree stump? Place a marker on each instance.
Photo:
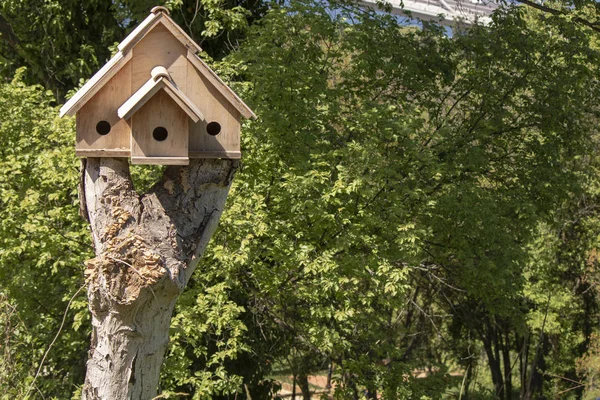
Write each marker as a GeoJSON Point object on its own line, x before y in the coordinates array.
{"type": "Point", "coordinates": [147, 247]}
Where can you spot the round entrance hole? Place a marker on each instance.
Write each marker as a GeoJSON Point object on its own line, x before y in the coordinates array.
{"type": "Point", "coordinates": [213, 128]}
{"type": "Point", "coordinates": [103, 128]}
{"type": "Point", "coordinates": [159, 134]}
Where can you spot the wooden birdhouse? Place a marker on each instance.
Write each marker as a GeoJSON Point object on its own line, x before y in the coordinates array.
{"type": "Point", "coordinates": [157, 102]}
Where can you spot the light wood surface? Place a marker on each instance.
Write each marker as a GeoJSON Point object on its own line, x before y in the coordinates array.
{"type": "Point", "coordinates": [103, 153]}
{"type": "Point", "coordinates": [157, 16]}
{"type": "Point", "coordinates": [160, 160]}
{"type": "Point", "coordinates": [103, 107]}
{"type": "Point", "coordinates": [93, 86]}
{"type": "Point", "coordinates": [159, 111]}
{"type": "Point", "coordinates": [225, 90]}
{"type": "Point", "coordinates": [149, 90]}
{"type": "Point", "coordinates": [159, 47]}
{"type": "Point", "coordinates": [216, 108]}
{"type": "Point", "coordinates": [234, 155]}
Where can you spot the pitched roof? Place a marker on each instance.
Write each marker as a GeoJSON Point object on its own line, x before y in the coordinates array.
{"type": "Point", "coordinates": [158, 15]}
{"type": "Point", "coordinates": [96, 83]}
{"type": "Point", "coordinates": [160, 79]}
{"type": "Point", "coordinates": [225, 90]}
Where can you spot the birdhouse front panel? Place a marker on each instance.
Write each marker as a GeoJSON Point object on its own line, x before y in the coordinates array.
{"type": "Point", "coordinates": [217, 136]}
{"type": "Point", "coordinates": [100, 131]}
{"type": "Point", "coordinates": [159, 47]}
{"type": "Point", "coordinates": [160, 132]}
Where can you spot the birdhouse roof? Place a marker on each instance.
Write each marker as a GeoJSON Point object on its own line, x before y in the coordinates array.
{"type": "Point", "coordinates": [160, 79]}
{"type": "Point", "coordinates": [159, 15]}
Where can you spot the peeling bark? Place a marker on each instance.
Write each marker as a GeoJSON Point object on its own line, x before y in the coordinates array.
{"type": "Point", "coordinates": [147, 248]}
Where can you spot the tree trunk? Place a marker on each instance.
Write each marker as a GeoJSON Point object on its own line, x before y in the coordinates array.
{"type": "Point", "coordinates": [489, 339]}
{"type": "Point", "coordinates": [146, 250]}
{"type": "Point", "coordinates": [294, 386]}
{"type": "Point", "coordinates": [507, 364]}
{"type": "Point", "coordinates": [329, 375]}
{"type": "Point", "coordinates": [304, 386]}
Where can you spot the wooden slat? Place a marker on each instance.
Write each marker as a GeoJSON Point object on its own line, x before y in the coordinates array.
{"type": "Point", "coordinates": [139, 32]}
{"type": "Point", "coordinates": [235, 155]}
{"type": "Point", "coordinates": [149, 24]}
{"type": "Point", "coordinates": [159, 47]}
{"type": "Point", "coordinates": [138, 99]}
{"type": "Point", "coordinates": [220, 85]}
{"type": "Point", "coordinates": [103, 153]}
{"type": "Point", "coordinates": [103, 107]}
{"type": "Point", "coordinates": [149, 89]}
{"type": "Point", "coordinates": [160, 111]}
{"type": "Point", "coordinates": [183, 101]}
{"type": "Point", "coordinates": [180, 34]}
{"type": "Point", "coordinates": [216, 108]}
{"type": "Point", "coordinates": [96, 83]}
{"type": "Point", "coordinates": [160, 160]}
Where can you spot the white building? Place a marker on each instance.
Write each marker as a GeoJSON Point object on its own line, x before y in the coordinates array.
{"type": "Point", "coordinates": [445, 12]}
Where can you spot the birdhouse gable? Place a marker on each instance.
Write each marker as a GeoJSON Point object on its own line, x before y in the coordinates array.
{"type": "Point", "coordinates": [159, 80]}
{"type": "Point", "coordinates": [97, 82]}
{"type": "Point", "coordinates": [160, 132]}
{"type": "Point", "coordinates": [203, 69]}
{"type": "Point", "coordinates": [158, 15]}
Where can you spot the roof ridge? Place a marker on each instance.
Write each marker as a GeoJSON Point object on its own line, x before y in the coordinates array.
{"type": "Point", "coordinates": [160, 79]}
{"type": "Point", "coordinates": [158, 15]}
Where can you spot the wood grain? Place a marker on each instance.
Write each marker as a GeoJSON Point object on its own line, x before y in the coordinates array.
{"type": "Point", "coordinates": [103, 107]}
{"type": "Point", "coordinates": [160, 111]}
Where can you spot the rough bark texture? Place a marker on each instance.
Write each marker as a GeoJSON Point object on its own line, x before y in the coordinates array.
{"type": "Point", "coordinates": [146, 250]}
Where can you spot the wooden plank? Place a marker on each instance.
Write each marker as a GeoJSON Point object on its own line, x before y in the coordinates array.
{"type": "Point", "coordinates": [138, 99]}
{"type": "Point", "coordinates": [225, 90]}
{"type": "Point", "coordinates": [215, 108]}
{"type": "Point", "coordinates": [139, 32]}
{"type": "Point", "coordinates": [234, 155]}
{"type": "Point", "coordinates": [96, 83]}
{"type": "Point", "coordinates": [180, 34]}
{"type": "Point", "coordinates": [160, 160]}
{"type": "Point", "coordinates": [149, 89]}
{"type": "Point", "coordinates": [103, 107]}
{"type": "Point", "coordinates": [183, 101]}
{"type": "Point", "coordinates": [158, 21]}
{"type": "Point", "coordinates": [103, 153]}
{"type": "Point", "coordinates": [152, 21]}
{"type": "Point", "coordinates": [159, 111]}
{"type": "Point", "coordinates": [159, 48]}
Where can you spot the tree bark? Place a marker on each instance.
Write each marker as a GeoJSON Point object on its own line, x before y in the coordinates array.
{"type": "Point", "coordinates": [304, 386]}
{"type": "Point", "coordinates": [490, 345]}
{"type": "Point", "coordinates": [146, 250]}
{"type": "Point", "coordinates": [506, 363]}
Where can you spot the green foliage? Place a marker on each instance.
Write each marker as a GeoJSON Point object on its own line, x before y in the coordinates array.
{"type": "Point", "coordinates": [62, 42]}
{"type": "Point", "coordinates": [389, 188]}
{"type": "Point", "coordinates": [43, 242]}
{"type": "Point", "coordinates": [59, 42]}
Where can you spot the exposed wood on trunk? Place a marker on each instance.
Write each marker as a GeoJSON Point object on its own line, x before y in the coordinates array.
{"type": "Point", "coordinates": [146, 250]}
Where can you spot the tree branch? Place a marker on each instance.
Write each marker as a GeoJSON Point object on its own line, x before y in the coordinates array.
{"type": "Point", "coordinates": [593, 25]}
{"type": "Point", "coordinates": [7, 33]}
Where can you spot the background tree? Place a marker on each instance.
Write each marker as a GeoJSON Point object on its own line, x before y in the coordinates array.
{"type": "Point", "coordinates": [62, 42]}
